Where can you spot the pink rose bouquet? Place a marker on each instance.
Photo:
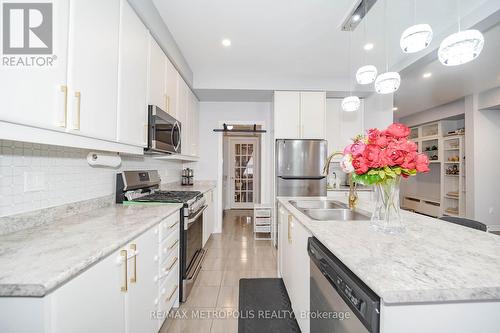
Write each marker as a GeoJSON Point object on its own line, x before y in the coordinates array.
{"type": "Point", "coordinates": [381, 155]}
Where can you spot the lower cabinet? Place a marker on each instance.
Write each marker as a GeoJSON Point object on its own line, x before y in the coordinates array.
{"type": "Point", "coordinates": [209, 217]}
{"type": "Point", "coordinates": [132, 290]}
{"type": "Point", "coordinates": [294, 265]}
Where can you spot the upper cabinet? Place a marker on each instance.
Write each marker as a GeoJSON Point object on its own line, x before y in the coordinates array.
{"type": "Point", "coordinates": [93, 67]}
{"type": "Point", "coordinates": [172, 88]}
{"type": "Point", "coordinates": [183, 117]}
{"type": "Point", "coordinates": [132, 78]}
{"type": "Point", "coordinates": [342, 126]}
{"type": "Point", "coordinates": [299, 115]}
{"type": "Point", "coordinates": [157, 91]}
{"type": "Point", "coordinates": [194, 122]}
{"type": "Point", "coordinates": [36, 97]}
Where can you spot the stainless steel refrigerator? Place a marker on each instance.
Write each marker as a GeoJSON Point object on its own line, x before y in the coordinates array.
{"type": "Point", "coordinates": [299, 167]}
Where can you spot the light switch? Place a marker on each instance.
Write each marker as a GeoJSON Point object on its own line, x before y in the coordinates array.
{"type": "Point", "coordinates": [34, 181]}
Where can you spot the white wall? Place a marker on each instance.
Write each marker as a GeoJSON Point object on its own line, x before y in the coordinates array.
{"type": "Point", "coordinates": [483, 159]}
{"type": "Point", "coordinates": [211, 116]}
{"type": "Point", "coordinates": [440, 112]}
{"type": "Point", "coordinates": [378, 111]}
{"type": "Point", "coordinates": [68, 177]}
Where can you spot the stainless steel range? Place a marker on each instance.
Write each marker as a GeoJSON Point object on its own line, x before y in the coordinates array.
{"type": "Point", "coordinates": [142, 187]}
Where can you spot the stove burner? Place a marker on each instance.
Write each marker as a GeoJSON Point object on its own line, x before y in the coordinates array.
{"type": "Point", "coordinates": [169, 196]}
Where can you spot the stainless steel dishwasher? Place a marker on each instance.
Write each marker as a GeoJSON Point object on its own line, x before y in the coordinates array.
{"type": "Point", "coordinates": [340, 301]}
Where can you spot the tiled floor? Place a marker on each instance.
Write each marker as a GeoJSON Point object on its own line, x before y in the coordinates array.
{"type": "Point", "coordinates": [232, 255]}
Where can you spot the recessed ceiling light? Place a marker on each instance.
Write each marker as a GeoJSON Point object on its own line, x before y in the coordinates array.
{"type": "Point", "coordinates": [427, 75]}
{"type": "Point", "coordinates": [356, 18]}
{"type": "Point", "coordinates": [395, 108]}
{"type": "Point", "coordinates": [368, 46]}
{"type": "Point", "coordinates": [226, 42]}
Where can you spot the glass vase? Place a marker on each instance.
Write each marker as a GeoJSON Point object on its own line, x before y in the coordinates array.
{"type": "Point", "coordinates": [387, 214]}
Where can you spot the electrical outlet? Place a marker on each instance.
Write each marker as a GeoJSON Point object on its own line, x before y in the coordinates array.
{"type": "Point", "coordinates": [34, 181]}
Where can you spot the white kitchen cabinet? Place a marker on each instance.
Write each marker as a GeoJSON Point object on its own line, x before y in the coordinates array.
{"type": "Point", "coordinates": [93, 301]}
{"type": "Point", "coordinates": [342, 126]}
{"type": "Point", "coordinates": [142, 289]}
{"type": "Point", "coordinates": [299, 115]}
{"type": "Point", "coordinates": [157, 75]}
{"type": "Point", "coordinates": [93, 67]}
{"type": "Point", "coordinates": [312, 114]}
{"type": "Point", "coordinates": [294, 262]}
{"type": "Point", "coordinates": [183, 117]}
{"type": "Point", "coordinates": [172, 88]}
{"type": "Point", "coordinates": [194, 118]}
{"type": "Point", "coordinates": [287, 114]}
{"type": "Point", "coordinates": [36, 96]}
{"type": "Point", "coordinates": [132, 78]}
{"type": "Point", "coordinates": [208, 216]}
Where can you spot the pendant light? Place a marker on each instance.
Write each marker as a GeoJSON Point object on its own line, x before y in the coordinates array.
{"type": "Point", "coordinates": [350, 103]}
{"type": "Point", "coordinates": [366, 74]}
{"type": "Point", "coordinates": [388, 82]}
{"type": "Point", "coordinates": [462, 46]}
{"type": "Point", "coordinates": [417, 37]}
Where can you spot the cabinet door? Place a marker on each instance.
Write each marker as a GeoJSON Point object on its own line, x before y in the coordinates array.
{"type": "Point", "coordinates": [299, 272]}
{"type": "Point", "coordinates": [193, 123]}
{"type": "Point", "coordinates": [132, 78]}
{"type": "Point", "coordinates": [341, 126]}
{"type": "Point", "coordinates": [93, 67]}
{"type": "Point", "coordinates": [208, 217]}
{"type": "Point", "coordinates": [36, 96]}
{"type": "Point", "coordinates": [286, 115]}
{"type": "Point", "coordinates": [172, 88]}
{"type": "Point", "coordinates": [156, 75]}
{"type": "Point", "coordinates": [93, 301]}
{"type": "Point", "coordinates": [313, 115]}
{"type": "Point", "coordinates": [143, 290]}
{"type": "Point", "coordinates": [183, 117]}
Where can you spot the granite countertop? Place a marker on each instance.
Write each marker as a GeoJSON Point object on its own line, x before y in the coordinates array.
{"type": "Point", "coordinates": [37, 260]}
{"type": "Point", "coordinates": [433, 261]}
{"type": "Point", "coordinates": [202, 186]}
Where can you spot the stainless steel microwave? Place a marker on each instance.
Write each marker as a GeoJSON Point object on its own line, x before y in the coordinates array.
{"type": "Point", "coordinates": [164, 132]}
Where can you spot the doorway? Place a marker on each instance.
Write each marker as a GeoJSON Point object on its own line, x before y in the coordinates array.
{"type": "Point", "coordinates": [241, 169]}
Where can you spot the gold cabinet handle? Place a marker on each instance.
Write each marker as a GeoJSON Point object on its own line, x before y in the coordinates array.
{"type": "Point", "coordinates": [78, 97]}
{"type": "Point", "coordinates": [173, 244]}
{"type": "Point", "coordinates": [123, 254]}
{"type": "Point", "coordinates": [289, 228]}
{"type": "Point", "coordinates": [171, 265]}
{"type": "Point", "coordinates": [167, 103]}
{"type": "Point", "coordinates": [173, 225]}
{"type": "Point", "coordinates": [133, 247]}
{"type": "Point", "coordinates": [172, 293]}
{"type": "Point", "coordinates": [64, 90]}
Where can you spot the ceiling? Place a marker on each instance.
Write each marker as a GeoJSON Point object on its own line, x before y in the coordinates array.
{"type": "Point", "coordinates": [298, 44]}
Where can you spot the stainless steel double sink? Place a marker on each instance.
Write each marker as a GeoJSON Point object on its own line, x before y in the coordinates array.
{"type": "Point", "coordinates": [328, 210]}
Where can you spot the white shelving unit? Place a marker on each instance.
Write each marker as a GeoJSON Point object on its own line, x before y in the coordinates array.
{"type": "Point", "coordinates": [262, 222]}
{"type": "Point", "coordinates": [433, 193]}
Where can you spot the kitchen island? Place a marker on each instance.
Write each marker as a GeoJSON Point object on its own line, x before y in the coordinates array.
{"type": "Point", "coordinates": [434, 277]}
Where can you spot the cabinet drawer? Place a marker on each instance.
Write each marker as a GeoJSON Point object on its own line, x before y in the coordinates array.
{"type": "Point", "coordinates": [168, 225]}
{"type": "Point", "coordinates": [262, 229]}
{"type": "Point", "coordinates": [259, 221]}
{"type": "Point", "coordinates": [169, 245]}
{"type": "Point", "coordinates": [262, 213]}
{"type": "Point", "coordinates": [411, 203]}
{"type": "Point", "coordinates": [169, 267]}
{"type": "Point", "coordinates": [168, 292]}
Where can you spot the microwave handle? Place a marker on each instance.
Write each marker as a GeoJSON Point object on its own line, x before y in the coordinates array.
{"type": "Point", "coordinates": [176, 125]}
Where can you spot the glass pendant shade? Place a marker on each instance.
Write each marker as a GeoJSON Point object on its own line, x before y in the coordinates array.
{"type": "Point", "coordinates": [366, 74]}
{"type": "Point", "coordinates": [461, 47]}
{"type": "Point", "coordinates": [416, 38]}
{"type": "Point", "coordinates": [387, 82]}
{"type": "Point", "coordinates": [351, 104]}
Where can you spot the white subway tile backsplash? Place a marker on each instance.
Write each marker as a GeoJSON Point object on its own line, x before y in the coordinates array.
{"type": "Point", "coordinates": [68, 177]}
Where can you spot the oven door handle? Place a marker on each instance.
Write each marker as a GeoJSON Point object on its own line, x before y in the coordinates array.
{"type": "Point", "coordinates": [193, 219]}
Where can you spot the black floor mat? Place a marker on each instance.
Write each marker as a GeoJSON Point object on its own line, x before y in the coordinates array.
{"type": "Point", "coordinates": [264, 307]}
